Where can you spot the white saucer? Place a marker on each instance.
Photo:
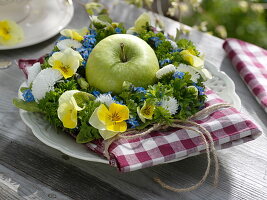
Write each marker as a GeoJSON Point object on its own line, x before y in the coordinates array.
{"type": "Point", "coordinates": [221, 83]}
{"type": "Point", "coordinates": [45, 20]}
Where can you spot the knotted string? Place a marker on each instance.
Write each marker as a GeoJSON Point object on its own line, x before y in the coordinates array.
{"type": "Point", "coordinates": [202, 131]}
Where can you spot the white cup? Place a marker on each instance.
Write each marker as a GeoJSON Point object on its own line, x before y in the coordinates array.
{"type": "Point", "coordinates": [16, 10]}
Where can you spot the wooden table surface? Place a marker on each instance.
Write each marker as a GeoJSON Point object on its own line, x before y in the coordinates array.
{"type": "Point", "coordinates": [31, 170]}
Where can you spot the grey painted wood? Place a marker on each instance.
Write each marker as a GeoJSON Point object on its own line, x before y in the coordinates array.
{"type": "Point", "coordinates": [23, 188]}
{"type": "Point", "coordinates": [38, 170]}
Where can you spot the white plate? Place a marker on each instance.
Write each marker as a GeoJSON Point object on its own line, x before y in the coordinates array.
{"type": "Point", "coordinates": [54, 138]}
{"type": "Point", "coordinates": [45, 20]}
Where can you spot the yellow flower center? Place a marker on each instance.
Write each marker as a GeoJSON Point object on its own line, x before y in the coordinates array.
{"type": "Point", "coordinates": [5, 30]}
{"type": "Point", "coordinates": [115, 117]}
{"type": "Point", "coordinates": [65, 70]}
{"type": "Point", "coordinates": [147, 110]}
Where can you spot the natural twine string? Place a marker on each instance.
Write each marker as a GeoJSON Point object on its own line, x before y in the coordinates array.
{"type": "Point", "coordinates": [132, 134]}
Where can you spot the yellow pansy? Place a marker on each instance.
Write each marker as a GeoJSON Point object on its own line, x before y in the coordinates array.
{"type": "Point", "coordinates": [68, 108]}
{"type": "Point", "coordinates": [146, 112]}
{"type": "Point", "coordinates": [193, 60]}
{"type": "Point", "coordinates": [140, 22]}
{"type": "Point", "coordinates": [10, 33]}
{"type": "Point", "coordinates": [67, 62]}
{"type": "Point", "coordinates": [110, 121]}
{"type": "Point", "coordinates": [75, 34]}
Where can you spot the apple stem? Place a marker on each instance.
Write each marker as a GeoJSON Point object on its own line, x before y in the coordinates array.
{"type": "Point", "coordinates": [123, 56]}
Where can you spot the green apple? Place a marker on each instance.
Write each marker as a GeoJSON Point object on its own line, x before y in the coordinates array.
{"type": "Point", "coordinates": [119, 58]}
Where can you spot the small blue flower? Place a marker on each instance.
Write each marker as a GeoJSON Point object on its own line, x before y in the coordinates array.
{"type": "Point", "coordinates": [155, 40]}
{"type": "Point", "coordinates": [135, 34]}
{"type": "Point", "coordinates": [81, 50]}
{"type": "Point", "coordinates": [133, 122]}
{"type": "Point", "coordinates": [118, 30]}
{"type": "Point", "coordinates": [179, 75]}
{"type": "Point", "coordinates": [96, 93]}
{"type": "Point", "coordinates": [176, 50]}
{"type": "Point", "coordinates": [93, 32]}
{"type": "Point", "coordinates": [83, 64]}
{"type": "Point", "coordinates": [115, 98]}
{"type": "Point", "coordinates": [164, 62]}
{"type": "Point", "coordinates": [139, 89]}
{"type": "Point", "coordinates": [201, 90]}
{"type": "Point", "coordinates": [85, 52]}
{"type": "Point", "coordinates": [28, 96]}
{"type": "Point", "coordinates": [202, 105]}
{"type": "Point", "coordinates": [89, 41]}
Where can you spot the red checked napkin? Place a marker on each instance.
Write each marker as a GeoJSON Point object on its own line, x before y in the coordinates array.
{"type": "Point", "coordinates": [228, 127]}
{"type": "Point", "coordinates": [25, 63]}
{"type": "Point", "coordinates": [251, 63]}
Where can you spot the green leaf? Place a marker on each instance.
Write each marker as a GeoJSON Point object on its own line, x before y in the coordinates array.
{"type": "Point", "coordinates": [144, 125]}
{"type": "Point", "coordinates": [86, 113]}
{"type": "Point", "coordinates": [83, 97]}
{"type": "Point", "coordinates": [49, 105]}
{"type": "Point", "coordinates": [187, 44]}
{"type": "Point", "coordinates": [46, 64]}
{"type": "Point", "coordinates": [22, 89]}
{"type": "Point", "coordinates": [56, 48]}
{"type": "Point", "coordinates": [162, 115]}
{"type": "Point", "coordinates": [104, 18]}
{"type": "Point", "coordinates": [28, 106]}
{"type": "Point", "coordinates": [87, 134]}
{"type": "Point", "coordinates": [83, 83]}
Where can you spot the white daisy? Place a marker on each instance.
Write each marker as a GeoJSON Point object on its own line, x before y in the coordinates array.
{"type": "Point", "coordinates": [187, 68]}
{"type": "Point", "coordinates": [106, 99]}
{"type": "Point", "coordinates": [33, 71]}
{"type": "Point", "coordinates": [174, 45]}
{"type": "Point", "coordinates": [165, 70]}
{"type": "Point", "coordinates": [68, 43]}
{"type": "Point", "coordinates": [170, 104]}
{"type": "Point", "coordinates": [44, 82]}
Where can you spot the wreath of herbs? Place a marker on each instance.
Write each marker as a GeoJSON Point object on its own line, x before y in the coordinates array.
{"type": "Point", "coordinates": [174, 96]}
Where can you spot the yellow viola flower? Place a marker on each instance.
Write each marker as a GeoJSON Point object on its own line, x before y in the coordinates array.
{"type": "Point", "coordinates": [10, 33]}
{"type": "Point", "coordinates": [75, 34]}
{"type": "Point", "coordinates": [68, 108]}
{"type": "Point", "coordinates": [110, 121]}
{"type": "Point", "coordinates": [67, 62]}
{"type": "Point", "coordinates": [193, 60]}
{"type": "Point", "coordinates": [146, 112]}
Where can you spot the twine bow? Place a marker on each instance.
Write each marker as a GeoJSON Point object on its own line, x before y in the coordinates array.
{"type": "Point", "coordinates": [187, 125]}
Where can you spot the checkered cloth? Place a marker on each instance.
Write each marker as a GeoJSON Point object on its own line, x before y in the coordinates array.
{"type": "Point", "coordinates": [251, 63]}
{"type": "Point", "coordinates": [25, 63]}
{"type": "Point", "coordinates": [228, 127]}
